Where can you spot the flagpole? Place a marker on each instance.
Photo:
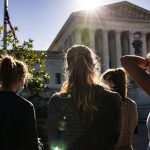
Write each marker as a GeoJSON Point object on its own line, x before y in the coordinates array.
{"type": "Point", "coordinates": [5, 26]}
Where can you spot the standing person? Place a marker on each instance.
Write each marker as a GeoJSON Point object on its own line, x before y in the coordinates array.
{"type": "Point", "coordinates": [138, 67]}
{"type": "Point", "coordinates": [83, 115]}
{"type": "Point", "coordinates": [17, 116]}
{"type": "Point", "coordinates": [116, 79]}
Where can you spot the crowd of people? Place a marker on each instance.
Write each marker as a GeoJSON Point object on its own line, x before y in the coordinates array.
{"type": "Point", "coordinates": [90, 112]}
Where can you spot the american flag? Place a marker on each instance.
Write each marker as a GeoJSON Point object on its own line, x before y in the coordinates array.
{"type": "Point", "coordinates": [7, 21]}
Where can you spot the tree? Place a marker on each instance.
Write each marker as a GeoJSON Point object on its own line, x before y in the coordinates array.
{"type": "Point", "coordinates": [31, 57]}
{"type": "Point", "coordinates": [36, 86]}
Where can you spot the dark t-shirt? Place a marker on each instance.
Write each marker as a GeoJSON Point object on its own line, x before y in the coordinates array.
{"type": "Point", "coordinates": [17, 123]}
{"type": "Point", "coordinates": [99, 134]}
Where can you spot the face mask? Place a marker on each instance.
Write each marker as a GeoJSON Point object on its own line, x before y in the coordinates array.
{"type": "Point", "coordinates": [114, 88]}
{"type": "Point", "coordinates": [20, 90]}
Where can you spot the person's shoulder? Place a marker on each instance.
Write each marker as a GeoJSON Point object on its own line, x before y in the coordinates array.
{"type": "Point", "coordinates": [130, 101]}
{"type": "Point", "coordinates": [22, 101]}
{"type": "Point", "coordinates": [55, 97]}
{"type": "Point", "coordinates": [107, 94]}
{"type": "Point", "coordinates": [59, 97]}
{"type": "Point", "coordinates": [105, 90]}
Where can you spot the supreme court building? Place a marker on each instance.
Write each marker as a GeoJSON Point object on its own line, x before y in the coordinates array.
{"type": "Point", "coordinates": [111, 31]}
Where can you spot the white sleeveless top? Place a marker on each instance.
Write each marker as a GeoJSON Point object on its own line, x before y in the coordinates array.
{"type": "Point", "coordinates": [148, 128]}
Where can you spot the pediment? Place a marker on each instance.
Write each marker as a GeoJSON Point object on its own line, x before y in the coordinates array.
{"type": "Point", "coordinates": [124, 10]}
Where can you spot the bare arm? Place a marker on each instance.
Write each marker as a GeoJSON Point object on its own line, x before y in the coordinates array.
{"type": "Point", "coordinates": [134, 65]}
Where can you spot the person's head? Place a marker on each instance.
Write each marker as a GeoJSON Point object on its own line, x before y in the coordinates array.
{"type": "Point", "coordinates": [82, 72]}
{"type": "Point", "coordinates": [13, 73]}
{"type": "Point", "coordinates": [82, 67]}
{"type": "Point", "coordinates": [116, 79]}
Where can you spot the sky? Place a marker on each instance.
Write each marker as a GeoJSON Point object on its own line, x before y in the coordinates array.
{"type": "Point", "coordinates": [41, 20]}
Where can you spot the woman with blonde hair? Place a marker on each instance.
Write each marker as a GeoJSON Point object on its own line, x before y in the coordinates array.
{"type": "Point", "coordinates": [83, 115]}
{"type": "Point", "coordinates": [17, 116]}
{"type": "Point", "coordinates": [116, 79]}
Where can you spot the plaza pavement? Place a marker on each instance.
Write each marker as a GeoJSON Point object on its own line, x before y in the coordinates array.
{"type": "Point", "coordinates": [140, 139]}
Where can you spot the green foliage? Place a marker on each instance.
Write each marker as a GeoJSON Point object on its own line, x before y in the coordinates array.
{"type": "Point", "coordinates": [34, 59]}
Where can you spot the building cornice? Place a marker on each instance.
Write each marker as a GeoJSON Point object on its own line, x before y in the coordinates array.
{"type": "Point", "coordinates": [138, 15]}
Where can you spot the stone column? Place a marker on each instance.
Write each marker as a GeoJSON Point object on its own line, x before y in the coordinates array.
{"type": "Point", "coordinates": [118, 48]}
{"type": "Point", "coordinates": [77, 36]}
{"type": "Point", "coordinates": [131, 38]}
{"type": "Point", "coordinates": [144, 48]}
{"type": "Point", "coordinates": [105, 49]}
{"type": "Point", "coordinates": [92, 39]}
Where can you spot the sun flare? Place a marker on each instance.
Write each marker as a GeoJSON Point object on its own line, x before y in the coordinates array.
{"type": "Point", "coordinates": [89, 4]}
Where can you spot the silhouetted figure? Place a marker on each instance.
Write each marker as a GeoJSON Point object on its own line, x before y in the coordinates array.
{"type": "Point", "coordinates": [17, 116]}
{"type": "Point", "coordinates": [116, 79]}
{"type": "Point", "coordinates": [83, 115]}
{"type": "Point", "coordinates": [139, 68]}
